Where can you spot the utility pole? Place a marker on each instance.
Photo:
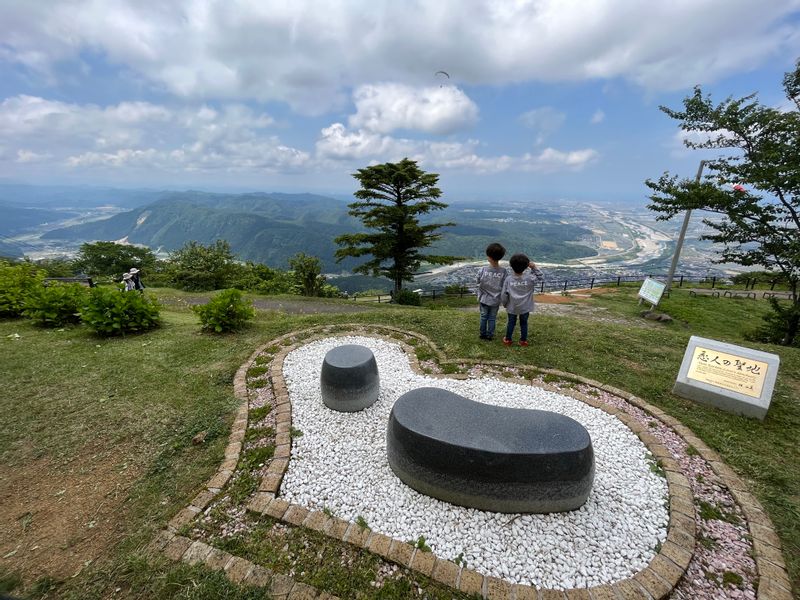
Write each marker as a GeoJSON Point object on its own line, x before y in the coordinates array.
{"type": "Point", "coordinates": [682, 234]}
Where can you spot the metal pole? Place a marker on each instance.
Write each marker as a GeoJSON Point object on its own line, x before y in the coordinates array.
{"type": "Point", "coordinates": [684, 227]}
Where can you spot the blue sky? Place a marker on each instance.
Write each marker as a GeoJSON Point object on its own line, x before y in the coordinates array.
{"type": "Point", "coordinates": [545, 99]}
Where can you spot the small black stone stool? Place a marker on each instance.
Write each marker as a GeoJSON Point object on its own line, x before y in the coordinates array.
{"type": "Point", "coordinates": [508, 460]}
{"type": "Point", "coordinates": [349, 379]}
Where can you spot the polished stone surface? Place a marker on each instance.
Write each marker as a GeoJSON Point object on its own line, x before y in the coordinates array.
{"type": "Point", "coordinates": [489, 457]}
{"type": "Point", "coordinates": [349, 380]}
{"type": "Point", "coordinates": [732, 378]}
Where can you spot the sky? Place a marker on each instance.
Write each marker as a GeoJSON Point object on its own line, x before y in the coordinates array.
{"type": "Point", "coordinates": [538, 99]}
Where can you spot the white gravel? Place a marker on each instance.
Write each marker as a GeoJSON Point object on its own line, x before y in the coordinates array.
{"type": "Point", "coordinates": [339, 463]}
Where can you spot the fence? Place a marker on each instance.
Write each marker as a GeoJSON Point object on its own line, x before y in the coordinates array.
{"type": "Point", "coordinates": [579, 283]}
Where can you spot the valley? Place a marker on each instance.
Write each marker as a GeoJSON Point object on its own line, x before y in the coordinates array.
{"type": "Point", "coordinates": [567, 239]}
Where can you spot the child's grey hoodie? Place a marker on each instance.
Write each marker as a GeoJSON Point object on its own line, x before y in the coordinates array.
{"type": "Point", "coordinates": [490, 285]}
{"type": "Point", "coordinates": [517, 294]}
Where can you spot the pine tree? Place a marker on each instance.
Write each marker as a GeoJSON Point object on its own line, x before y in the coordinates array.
{"type": "Point", "coordinates": [392, 198]}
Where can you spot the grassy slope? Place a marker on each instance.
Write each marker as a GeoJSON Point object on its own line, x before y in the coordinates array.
{"type": "Point", "coordinates": [150, 394]}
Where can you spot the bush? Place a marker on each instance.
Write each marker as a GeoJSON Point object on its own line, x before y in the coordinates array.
{"type": "Point", "coordinates": [16, 284]}
{"type": "Point", "coordinates": [110, 311]}
{"type": "Point", "coordinates": [408, 297]}
{"type": "Point", "coordinates": [759, 277]}
{"type": "Point", "coordinates": [776, 324]}
{"type": "Point", "coordinates": [329, 290]}
{"type": "Point", "coordinates": [224, 312]}
{"type": "Point", "coordinates": [56, 305]}
{"type": "Point", "coordinates": [255, 277]}
{"type": "Point", "coordinates": [455, 288]}
{"type": "Point", "coordinates": [196, 267]}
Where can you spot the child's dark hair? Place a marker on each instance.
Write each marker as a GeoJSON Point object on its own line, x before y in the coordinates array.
{"type": "Point", "coordinates": [495, 251]}
{"type": "Point", "coordinates": [519, 262]}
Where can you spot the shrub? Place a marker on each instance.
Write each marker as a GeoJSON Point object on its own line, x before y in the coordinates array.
{"type": "Point", "coordinates": [260, 278]}
{"type": "Point", "coordinates": [331, 291]}
{"type": "Point", "coordinates": [776, 324]}
{"type": "Point", "coordinates": [455, 288]}
{"type": "Point", "coordinates": [16, 284]}
{"type": "Point", "coordinates": [759, 277]}
{"type": "Point", "coordinates": [408, 297]}
{"type": "Point", "coordinates": [111, 312]}
{"type": "Point", "coordinates": [196, 267]}
{"type": "Point", "coordinates": [56, 305]}
{"type": "Point", "coordinates": [224, 312]}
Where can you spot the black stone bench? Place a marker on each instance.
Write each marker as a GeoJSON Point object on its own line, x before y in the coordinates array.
{"type": "Point", "coordinates": [87, 281]}
{"type": "Point", "coordinates": [778, 295]}
{"type": "Point", "coordinates": [704, 292]}
{"type": "Point", "coordinates": [739, 294]}
{"type": "Point", "coordinates": [349, 379]}
{"type": "Point", "coordinates": [489, 457]}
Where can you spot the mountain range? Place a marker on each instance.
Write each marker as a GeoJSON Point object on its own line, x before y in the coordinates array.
{"type": "Point", "coordinates": [271, 227]}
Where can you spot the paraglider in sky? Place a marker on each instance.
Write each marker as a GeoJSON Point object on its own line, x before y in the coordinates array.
{"type": "Point", "coordinates": [442, 76]}
{"type": "Point", "coordinates": [738, 188]}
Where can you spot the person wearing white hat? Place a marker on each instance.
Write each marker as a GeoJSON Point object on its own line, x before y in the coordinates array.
{"type": "Point", "coordinates": [127, 279]}
{"type": "Point", "coordinates": [137, 282]}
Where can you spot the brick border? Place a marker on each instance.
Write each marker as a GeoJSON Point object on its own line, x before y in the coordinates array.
{"type": "Point", "coordinates": [655, 581]}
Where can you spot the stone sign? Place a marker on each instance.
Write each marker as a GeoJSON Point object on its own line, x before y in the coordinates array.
{"type": "Point", "coordinates": [732, 378]}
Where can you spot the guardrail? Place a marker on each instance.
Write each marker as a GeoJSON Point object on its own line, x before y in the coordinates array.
{"type": "Point", "coordinates": [579, 283]}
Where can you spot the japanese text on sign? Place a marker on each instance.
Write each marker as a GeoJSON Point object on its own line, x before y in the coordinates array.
{"type": "Point", "coordinates": [728, 371]}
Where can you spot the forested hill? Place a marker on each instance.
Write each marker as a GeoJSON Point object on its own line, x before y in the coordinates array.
{"type": "Point", "coordinates": [266, 228]}
{"type": "Point", "coordinates": [270, 228]}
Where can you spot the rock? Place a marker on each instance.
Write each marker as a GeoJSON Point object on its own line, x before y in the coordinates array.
{"type": "Point", "coordinates": [489, 457]}
{"type": "Point", "coordinates": [656, 316]}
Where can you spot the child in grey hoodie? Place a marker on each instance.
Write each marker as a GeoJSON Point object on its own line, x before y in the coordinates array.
{"type": "Point", "coordinates": [490, 284]}
{"type": "Point", "coordinates": [517, 296]}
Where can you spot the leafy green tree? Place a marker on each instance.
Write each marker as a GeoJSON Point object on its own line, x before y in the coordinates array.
{"type": "Point", "coordinates": [307, 271]}
{"type": "Point", "coordinates": [761, 214]}
{"type": "Point", "coordinates": [257, 277]}
{"type": "Point", "coordinates": [110, 258]}
{"type": "Point", "coordinates": [57, 267]}
{"type": "Point", "coordinates": [392, 198]}
{"type": "Point", "coordinates": [196, 267]}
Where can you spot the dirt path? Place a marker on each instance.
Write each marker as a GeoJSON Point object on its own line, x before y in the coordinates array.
{"type": "Point", "coordinates": [295, 306]}
{"type": "Point", "coordinates": [58, 519]}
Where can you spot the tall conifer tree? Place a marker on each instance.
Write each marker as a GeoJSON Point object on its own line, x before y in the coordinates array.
{"type": "Point", "coordinates": [392, 198]}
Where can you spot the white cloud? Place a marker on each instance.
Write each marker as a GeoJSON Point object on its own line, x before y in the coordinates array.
{"type": "Point", "coordinates": [598, 117]}
{"type": "Point", "coordinates": [551, 160]}
{"type": "Point", "coordinates": [26, 156]}
{"type": "Point", "coordinates": [545, 121]}
{"type": "Point", "coordinates": [385, 107]}
{"type": "Point", "coordinates": [309, 54]}
{"type": "Point", "coordinates": [139, 134]}
{"type": "Point", "coordinates": [679, 140]}
{"type": "Point", "coordinates": [336, 143]}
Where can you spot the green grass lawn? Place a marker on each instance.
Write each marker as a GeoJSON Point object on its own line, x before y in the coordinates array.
{"type": "Point", "coordinates": [135, 403]}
